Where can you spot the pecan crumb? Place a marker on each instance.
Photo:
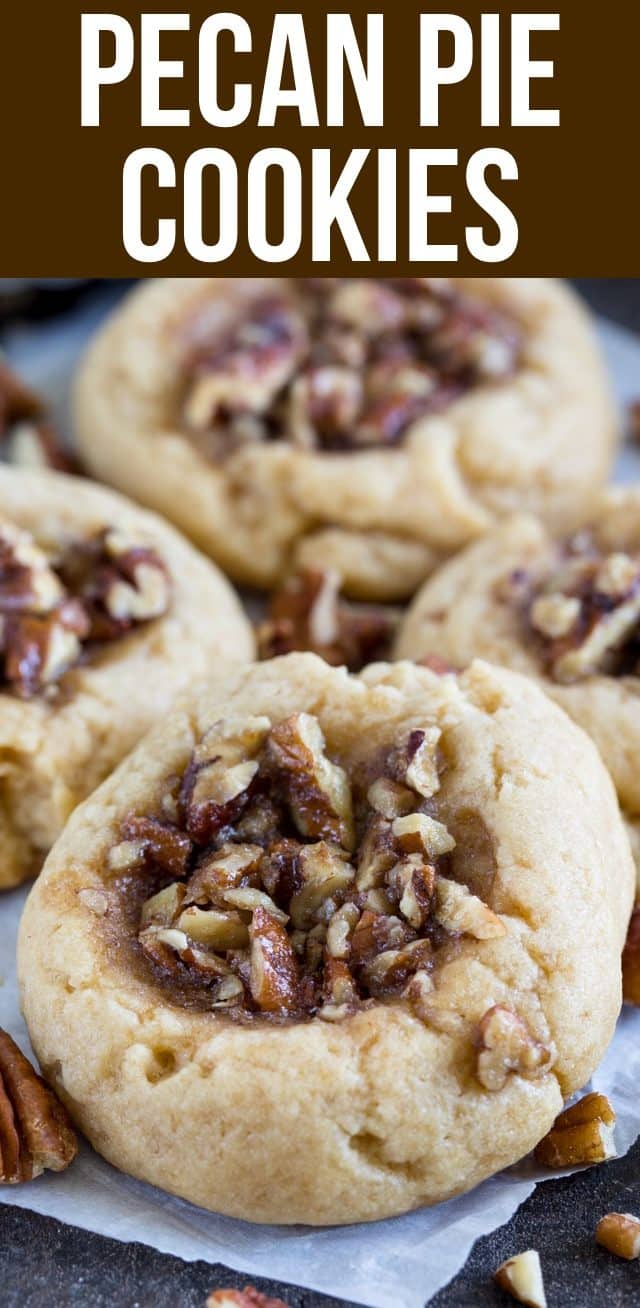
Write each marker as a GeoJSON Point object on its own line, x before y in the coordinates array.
{"type": "Point", "coordinates": [35, 1129]}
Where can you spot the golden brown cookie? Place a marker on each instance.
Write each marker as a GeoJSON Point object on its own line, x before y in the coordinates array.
{"type": "Point", "coordinates": [366, 426]}
{"type": "Point", "coordinates": [106, 613]}
{"type": "Point", "coordinates": [335, 947]}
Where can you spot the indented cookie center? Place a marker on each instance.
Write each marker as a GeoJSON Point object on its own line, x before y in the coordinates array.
{"type": "Point", "coordinates": [58, 608]}
{"type": "Point", "coordinates": [345, 365]}
{"type": "Point", "coordinates": [585, 614]}
{"type": "Point", "coordinates": [287, 885]}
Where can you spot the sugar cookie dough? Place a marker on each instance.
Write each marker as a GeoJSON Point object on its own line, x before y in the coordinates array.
{"type": "Point", "coordinates": [369, 426]}
{"type": "Point", "coordinates": [334, 947]}
{"type": "Point", "coordinates": [106, 613]}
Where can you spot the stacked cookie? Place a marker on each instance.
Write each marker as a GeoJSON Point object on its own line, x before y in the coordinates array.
{"type": "Point", "coordinates": [337, 943]}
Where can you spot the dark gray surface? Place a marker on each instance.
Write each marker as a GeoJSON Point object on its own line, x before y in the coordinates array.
{"type": "Point", "coordinates": [43, 1263]}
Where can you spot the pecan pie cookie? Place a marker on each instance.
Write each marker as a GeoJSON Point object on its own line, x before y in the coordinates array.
{"type": "Point", "coordinates": [334, 946]}
{"type": "Point", "coordinates": [563, 610]}
{"type": "Point", "coordinates": [366, 426]}
{"type": "Point", "coordinates": [106, 613]}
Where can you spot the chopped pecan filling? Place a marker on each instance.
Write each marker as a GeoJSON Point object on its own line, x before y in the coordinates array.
{"type": "Point", "coordinates": [346, 365]}
{"type": "Point", "coordinates": [307, 613]}
{"type": "Point", "coordinates": [27, 436]}
{"type": "Point", "coordinates": [585, 615]}
{"type": "Point", "coordinates": [56, 609]}
{"type": "Point", "coordinates": [286, 887]}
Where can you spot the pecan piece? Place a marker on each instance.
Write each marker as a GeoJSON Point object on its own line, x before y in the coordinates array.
{"type": "Point", "coordinates": [217, 785]}
{"type": "Point", "coordinates": [390, 799]}
{"type": "Point", "coordinates": [376, 855]}
{"type": "Point", "coordinates": [631, 961]}
{"type": "Point", "coordinates": [619, 1233]}
{"type": "Point", "coordinates": [325, 874]}
{"type": "Point", "coordinates": [249, 368]}
{"type": "Point", "coordinates": [27, 582]}
{"type": "Point", "coordinates": [152, 841]}
{"type": "Point", "coordinates": [413, 881]}
{"type": "Point", "coordinates": [218, 931]}
{"type": "Point", "coordinates": [274, 969]}
{"type": "Point", "coordinates": [30, 439]}
{"type": "Point", "coordinates": [458, 910]}
{"type": "Point", "coordinates": [581, 1135]}
{"type": "Point", "coordinates": [339, 985]}
{"type": "Point", "coordinates": [317, 790]}
{"type": "Point", "coordinates": [376, 933]}
{"type": "Point", "coordinates": [223, 870]}
{"type": "Point", "coordinates": [38, 650]}
{"type": "Point", "coordinates": [521, 1277]}
{"type": "Point", "coordinates": [633, 422]}
{"type": "Point", "coordinates": [505, 1047]}
{"type": "Point", "coordinates": [307, 613]}
{"type": "Point", "coordinates": [421, 767]}
{"type": "Point", "coordinates": [418, 833]}
{"type": "Point", "coordinates": [388, 972]}
{"type": "Point", "coordinates": [35, 1129]}
{"type": "Point", "coordinates": [247, 1298]}
{"type": "Point", "coordinates": [164, 907]}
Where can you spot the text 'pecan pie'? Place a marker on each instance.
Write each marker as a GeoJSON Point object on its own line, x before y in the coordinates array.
{"type": "Point", "coordinates": [106, 613]}
{"type": "Point", "coordinates": [334, 946]}
{"type": "Point", "coordinates": [369, 426]}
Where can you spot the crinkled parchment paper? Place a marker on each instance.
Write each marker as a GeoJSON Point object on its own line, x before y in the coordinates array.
{"type": "Point", "coordinates": [393, 1264]}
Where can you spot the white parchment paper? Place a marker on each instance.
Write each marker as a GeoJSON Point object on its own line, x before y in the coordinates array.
{"type": "Point", "coordinates": [393, 1264]}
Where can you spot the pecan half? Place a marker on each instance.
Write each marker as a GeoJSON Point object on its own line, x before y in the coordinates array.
{"type": "Point", "coordinates": [506, 1047]}
{"type": "Point", "coordinates": [35, 1129]}
{"type": "Point", "coordinates": [581, 1135]}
